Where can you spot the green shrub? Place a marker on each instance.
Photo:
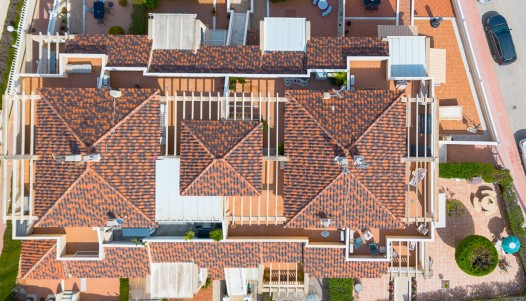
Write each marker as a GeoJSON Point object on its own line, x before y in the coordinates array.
{"type": "Point", "coordinates": [341, 289]}
{"type": "Point", "coordinates": [189, 235]}
{"type": "Point", "coordinates": [265, 124]}
{"type": "Point", "coordinates": [468, 170]}
{"type": "Point", "coordinates": [339, 80]}
{"type": "Point", "coordinates": [216, 234]}
{"type": "Point", "coordinates": [208, 283]}
{"type": "Point", "coordinates": [476, 255]}
{"type": "Point", "coordinates": [151, 4]}
{"type": "Point", "coordinates": [124, 289]}
{"type": "Point", "coordinates": [123, 3]}
{"type": "Point", "coordinates": [139, 20]}
{"type": "Point", "coordinates": [454, 208]}
{"type": "Point", "coordinates": [116, 30]}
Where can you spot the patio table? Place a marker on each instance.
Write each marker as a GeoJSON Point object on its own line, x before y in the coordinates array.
{"type": "Point", "coordinates": [488, 203]}
{"type": "Point", "coordinates": [98, 10]}
{"type": "Point", "coordinates": [371, 2]}
{"type": "Point", "coordinates": [323, 4]}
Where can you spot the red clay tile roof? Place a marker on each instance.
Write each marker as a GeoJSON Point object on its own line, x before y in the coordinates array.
{"type": "Point", "coordinates": [317, 131]}
{"type": "Point", "coordinates": [31, 252]}
{"type": "Point", "coordinates": [122, 50]}
{"type": "Point", "coordinates": [128, 146]}
{"type": "Point", "coordinates": [331, 52]}
{"type": "Point", "coordinates": [118, 262]}
{"type": "Point", "coordinates": [283, 62]}
{"type": "Point", "coordinates": [221, 157]}
{"type": "Point", "coordinates": [88, 202]}
{"type": "Point", "coordinates": [218, 256]}
{"type": "Point", "coordinates": [47, 266]}
{"type": "Point", "coordinates": [331, 263]}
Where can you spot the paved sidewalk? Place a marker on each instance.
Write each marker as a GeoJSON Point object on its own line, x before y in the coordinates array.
{"type": "Point", "coordinates": [507, 150]}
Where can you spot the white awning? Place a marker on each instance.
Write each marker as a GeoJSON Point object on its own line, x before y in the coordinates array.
{"type": "Point", "coordinates": [173, 280]}
{"type": "Point", "coordinates": [407, 56]}
{"type": "Point", "coordinates": [285, 34]}
{"type": "Point", "coordinates": [170, 206]}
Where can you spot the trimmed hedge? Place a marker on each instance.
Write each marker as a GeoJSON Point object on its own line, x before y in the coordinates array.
{"type": "Point", "coordinates": [124, 289]}
{"type": "Point", "coordinates": [468, 170]}
{"type": "Point", "coordinates": [139, 19]}
{"type": "Point", "coordinates": [476, 255]}
{"type": "Point", "coordinates": [341, 289]}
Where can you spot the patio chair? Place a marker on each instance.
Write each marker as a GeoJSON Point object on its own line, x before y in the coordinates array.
{"type": "Point", "coordinates": [358, 242]}
{"type": "Point", "coordinates": [327, 11]}
{"type": "Point", "coordinates": [374, 249]}
{"type": "Point", "coordinates": [89, 10]}
{"type": "Point", "coordinates": [411, 246]}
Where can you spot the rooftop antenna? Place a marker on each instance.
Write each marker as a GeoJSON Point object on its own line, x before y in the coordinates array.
{"type": "Point", "coordinates": [359, 161]}
{"type": "Point", "coordinates": [343, 162]}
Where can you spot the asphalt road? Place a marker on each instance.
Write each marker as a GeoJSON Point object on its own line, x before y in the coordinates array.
{"type": "Point", "coordinates": [512, 78]}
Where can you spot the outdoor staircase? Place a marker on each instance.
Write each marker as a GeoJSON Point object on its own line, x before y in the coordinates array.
{"type": "Point", "coordinates": [238, 28]}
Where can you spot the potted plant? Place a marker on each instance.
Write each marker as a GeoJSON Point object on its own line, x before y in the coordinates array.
{"type": "Point", "coordinates": [216, 234]}
{"type": "Point", "coordinates": [189, 235]}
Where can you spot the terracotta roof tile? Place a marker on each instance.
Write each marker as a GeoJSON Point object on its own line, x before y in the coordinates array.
{"type": "Point", "coordinates": [331, 263]}
{"type": "Point", "coordinates": [283, 62]}
{"type": "Point", "coordinates": [331, 52]}
{"type": "Point", "coordinates": [47, 267]}
{"type": "Point", "coordinates": [128, 147]}
{"type": "Point", "coordinates": [118, 262]}
{"type": "Point", "coordinates": [218, 256]}
{"type": "Point", "coordinates": [31, 252]}
{"type": "Point", "coordinates": [221, 157]}
{"type": "Point", "coordinates": [90, 111]}
{"type": "Point", "coordinates": [89, 203]}
{"type": "Point", "coordinates": [122, 50]}
{"type": "Point", "coordinates": [317, 131]}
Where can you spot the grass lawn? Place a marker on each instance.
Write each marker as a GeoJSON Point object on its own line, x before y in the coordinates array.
{"type": "Point", "coordinates": [9, 264]}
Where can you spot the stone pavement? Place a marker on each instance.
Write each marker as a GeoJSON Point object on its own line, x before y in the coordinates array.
{"type": "Point", "coordinates": [508, 154]}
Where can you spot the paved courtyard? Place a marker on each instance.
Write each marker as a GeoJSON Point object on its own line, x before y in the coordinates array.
{"type": "Point", "coordinates": [442, 251]}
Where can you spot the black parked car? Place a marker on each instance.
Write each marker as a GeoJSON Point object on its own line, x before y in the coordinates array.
{"type": "Point", "coordinates": [502, 47]}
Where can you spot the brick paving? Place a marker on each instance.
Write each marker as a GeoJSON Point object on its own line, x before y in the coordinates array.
{"type": "Point", "coordinates": [442, 250]}
{"type": "Point", "coordinates": [441, 8]}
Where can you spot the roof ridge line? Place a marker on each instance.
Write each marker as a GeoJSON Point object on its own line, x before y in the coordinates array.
{"type": "Point", "coordinates": [125, 118]}
{"type": "Point", "coordinates": [254, 128]}
{"type": "Point", "coordinates": [374, 196]}
{"type": "Point", "coordinates": [77, 180]}
{"type": "Point", "coordinates": [375, 122]}
{"type": "Point", "coordinates": [319, 124]}
{"type": "Point", "coordinates": [313, 199]}
{"type": "Point", "coordinates": [197, 138]}
{"type": "Point", "coordinates": [39, 260]}
{"type": "Point", "coordinates": [66, 124]}
{"type": "Point", "coordinates": [121, 195]}
{"type": "Point", "coordinates": [182, 192]}
{"type": "Point", "coordinates": [236, 171]}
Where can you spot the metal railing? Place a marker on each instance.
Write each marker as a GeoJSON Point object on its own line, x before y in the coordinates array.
{"type": "Point", "coordinates": [19, 46]}
{"type": "Point", "coordinates": [230, 29]}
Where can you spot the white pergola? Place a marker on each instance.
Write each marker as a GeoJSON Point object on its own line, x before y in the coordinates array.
{"type": "Point", "coordinates": [240, 106]}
